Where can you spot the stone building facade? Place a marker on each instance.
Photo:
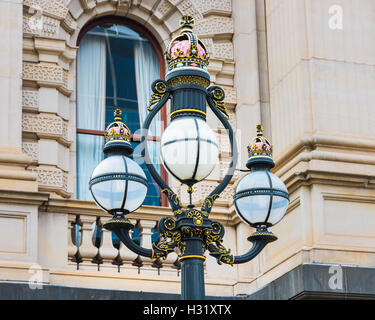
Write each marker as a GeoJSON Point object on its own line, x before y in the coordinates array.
{"type": "Point", "coordinates": [305, 69]}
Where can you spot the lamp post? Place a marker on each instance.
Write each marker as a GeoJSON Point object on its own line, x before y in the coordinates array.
{"type": "Point", "coordinates": [189, 152]}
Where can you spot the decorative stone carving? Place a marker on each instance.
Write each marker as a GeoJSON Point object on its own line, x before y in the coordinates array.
{"type": "Point", "coordinates": [227, 194]}
{"type": "Point", "coordinates": [224, 164]}
{"type": "Point", "coordinates": [40, 26]}
{"type": "Point", "coordinates": [69, 24]}
{"type": "Point", "coordinates": [30, 99]}
{"type": "Point", "coordinates": [223, 141]}
{"type": "Point", "coordinates": [124, 4]}
{"type": "Point", "coordinates": [187, 7]}
{"type": "Point", "coordinates": [223, 50]}
{"type": "Point", "coordinates": [46, 125]}
{"type": "Point", "coordinates": [232, 119]}
{"type": "Point", "coordinates": [230, 95]}
{"type": "Point", "coordinates": [214, 26]}
{"type": "Point", "coordinates": [52, 179]}
{"type": "Point", "coordinates": [64, 2]}
{"type": "Point", "coordinates": [163, 8]}
{"type": "Point", "coordinates": [213, 6]}
{"type": "Point", "coordinates": [46, 73]}
{"type": "Point", "coordinates": [208, 42]}
{"type": "Point", "coordinates": [31, 149]}
{"type": "Point", "coordinates": [88, 4]}
{"type": "Point", "coordinates": [52, 8]}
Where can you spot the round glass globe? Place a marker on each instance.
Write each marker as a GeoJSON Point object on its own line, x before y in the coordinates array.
{"type": "Point", "coordinates": [261, 198]}
{"type": "Point", "coordinates": [118, 185]}
{"type": "Point", "coordinates": [189, 150]}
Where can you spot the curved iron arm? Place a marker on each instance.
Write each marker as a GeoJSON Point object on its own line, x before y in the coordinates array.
{"type": "Point", "coordinates": [162, 99]}
{"type": "Point", "coordinates": [121, 227]}
{"type": "Point", "coordinates": [214, 240]}
{"type": "Point", "coordinates": [215, 97]}
{"type": "Point", "coordinates": [125, 237]}
{"type": "Point", "coordinates": [170, 237]}
{"type": "Point", "coordinates": [223, 255]}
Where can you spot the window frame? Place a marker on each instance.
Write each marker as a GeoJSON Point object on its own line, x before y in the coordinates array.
{"type": "Point", "coordinates": [159, 52]}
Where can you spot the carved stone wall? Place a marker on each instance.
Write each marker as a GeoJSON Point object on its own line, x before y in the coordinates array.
{"type": "Point", "coordinates": [51, 28]}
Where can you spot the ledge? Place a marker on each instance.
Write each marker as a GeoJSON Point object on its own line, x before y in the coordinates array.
{"type": "Point", "coordinates": [312, 281]}
{"type": "Point", "coordinates": [23, 197]}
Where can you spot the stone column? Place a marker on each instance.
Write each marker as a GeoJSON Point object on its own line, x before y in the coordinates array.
{"type": "Point", "coordinates": [321, 80]}
{"type": "Point", "coordinates": [246, 77]}
{"type": "Point", "coordinates": [13, 162]}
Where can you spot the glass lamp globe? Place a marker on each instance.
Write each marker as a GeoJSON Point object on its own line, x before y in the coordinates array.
{"type": "Point", "coordinates": [118, 185]}
{"type": "Point", "coordinates": [261, 198]}
{"type": "Point", "coordinates": [189, 150]}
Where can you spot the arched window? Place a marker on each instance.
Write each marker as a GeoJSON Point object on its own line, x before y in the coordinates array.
{"type": "Point", "coordinates": [116, 64]}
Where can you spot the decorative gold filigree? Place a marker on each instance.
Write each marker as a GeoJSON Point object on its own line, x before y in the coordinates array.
{"type": "Point", "coordinates": [169, 240]}
{"type": "Point", "coordinates": [187, 21]}
{"type": "Point", "coordinates": [172, 197]}
{"type": "Point", "coordinates": [188, 80]}
{"type": "Point", "coordinates": [192, 231]}
{"type": "Point", "coordinates": [197, 217]}
{"type": "Point", "coordinates": [213, 241]}
{"type": "Point", "coordinates": [160, 89]}
{"type": "Point", "coordinates": [208, 203]}
{"type": "Point", "coordinates": [177, 212]}
{"type": "Point", "coordinates": [218, 95]}
{"type": "Point", "coordinates": [169, 224]}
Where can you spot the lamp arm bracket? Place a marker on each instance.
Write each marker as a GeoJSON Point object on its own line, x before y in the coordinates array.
{"type": "Point", "coordinates": [170, 237]}
{"type": "Point", "coordinates": [158, 100]}
{"type": "Point", "coordinates": [214, 95]}
{"type": "Point", "coordinates": [214, 240]}
{"type": "Point", "coordinates": [224, 255]}
{"type": "Point", "coordinates": [121, 227]}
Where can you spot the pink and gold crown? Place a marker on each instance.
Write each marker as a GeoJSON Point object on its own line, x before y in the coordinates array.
{"type": "Point", "coordinates": [260, 147]}
{"type": "Point", "coordinates": [186, 50]}
{"type": "Point", "coordinates": [117, 130]}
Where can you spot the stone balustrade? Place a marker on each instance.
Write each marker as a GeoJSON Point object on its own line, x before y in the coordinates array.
{"type": "Point", "coordinates": [92, 247]}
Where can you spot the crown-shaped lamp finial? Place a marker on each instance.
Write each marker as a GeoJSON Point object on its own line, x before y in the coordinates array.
{"type": "Point", "coordinates": [260, 150]}
{"type": "Point", "coordinates": [117, 130]}
{"type": "Point", "coordinates": [186, 50]}
{"type": "Point", "coordinates": [117, 135]}
{"type": "Point", "coordinates": [187, 22]}
{"type": "Point", "coordinates": [259, 130]}
{"type": "Point", "coordinates": [117, 114]}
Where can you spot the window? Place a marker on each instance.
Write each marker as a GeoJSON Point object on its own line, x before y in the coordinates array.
{"type": "Point", "coordinates": [115, 68]}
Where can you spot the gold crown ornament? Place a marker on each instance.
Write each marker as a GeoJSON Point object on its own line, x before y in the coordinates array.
{"type": "Point", "coordinates": [186, 50]}
{"type": "Point", "coordinates": [261, 147]}
{"type": "Point", "coordinates": [117, 130]}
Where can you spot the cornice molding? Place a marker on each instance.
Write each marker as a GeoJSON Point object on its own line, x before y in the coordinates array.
{"type": "Point", "coordinates": [24, 197]}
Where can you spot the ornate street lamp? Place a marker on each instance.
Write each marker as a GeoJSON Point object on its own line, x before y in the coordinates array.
{"type": "Point", "coordinates": [189, 152]}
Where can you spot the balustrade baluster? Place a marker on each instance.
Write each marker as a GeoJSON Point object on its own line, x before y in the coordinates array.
{"type": "Point", "coordinates": [127, 256]}
{"type": "Point", "coordinates": [87, 249]}
{"type": "Point", "coordinates": [146, 226]}
{"type": "Point", "coordinates": [72, 248]}
{"type": "Point", "coordinates": [107, 250]}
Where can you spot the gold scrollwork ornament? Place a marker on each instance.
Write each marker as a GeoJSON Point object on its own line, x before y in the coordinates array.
{"type": "Point", "coordinates": [159, 88]}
